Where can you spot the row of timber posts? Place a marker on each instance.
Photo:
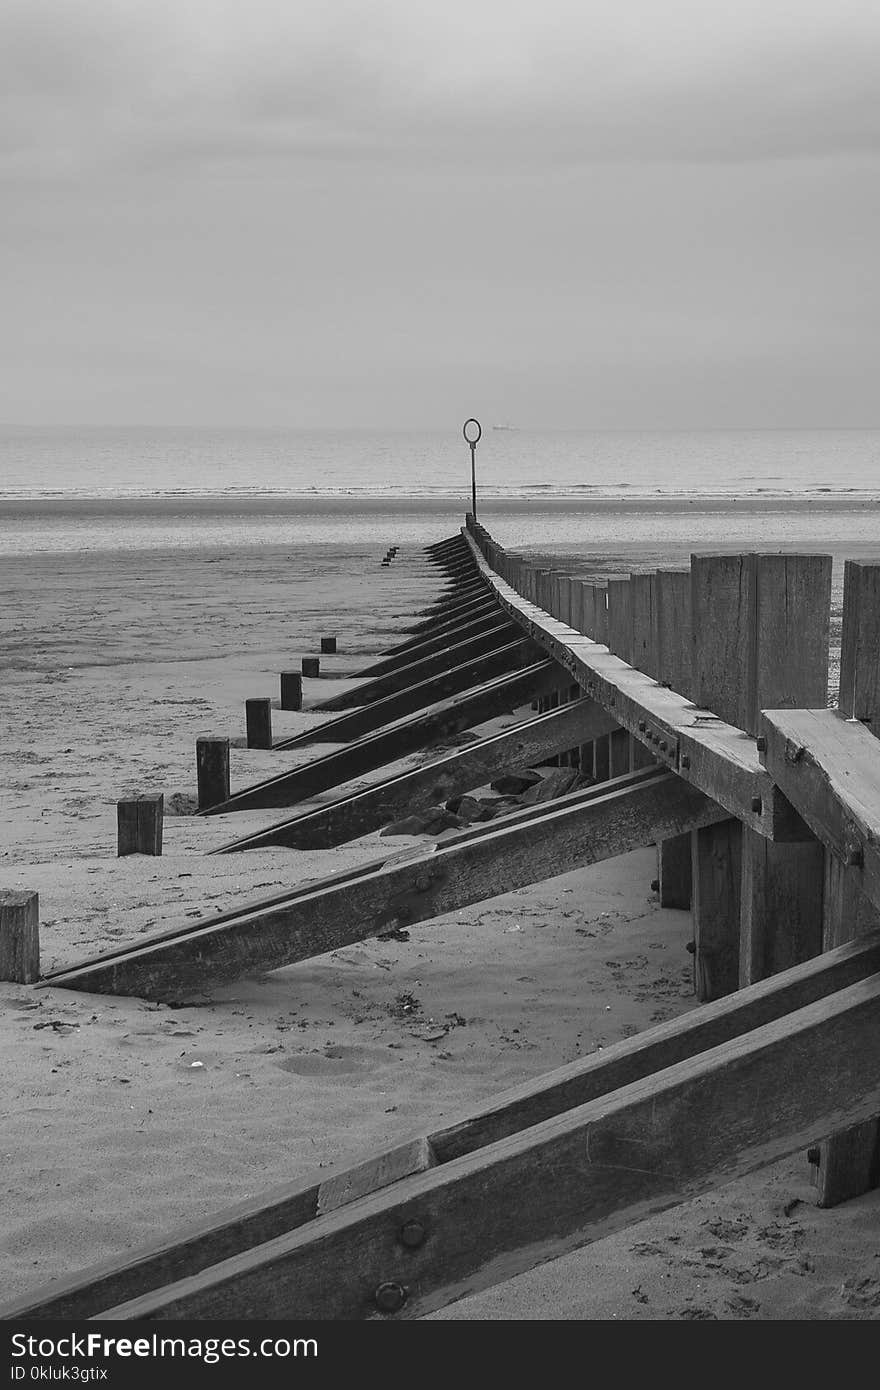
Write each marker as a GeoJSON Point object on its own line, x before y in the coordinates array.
{"type": "Point", "coordinates": [736, 634]}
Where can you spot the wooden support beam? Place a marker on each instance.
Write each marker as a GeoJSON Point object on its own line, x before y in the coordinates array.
{"type": "Point", "coordinates": [139, 824]}
{"type": "Point", "coordinates": [499, 661]}
{"type": "Point", "coordinates": [311, 667]}
{"type": "Point", "coordinates": [258, 721]}
{"type": "Point", "coordinates": [449, 638]}
{"type": "Point", "coordinates": [328, 644]}
{"type": "Point", "coordinates": [449, 1230]}
{"type": "Point", "coordinates": [620, 619]}
{"type": "Point", "coordinates": [703, 749]}
{"type": "Point", "coordinates": [503, 632]}
{"type": "Point", "coordinates": [672, 601]}
{"type": "Point", "coordinates": [472, 766]}
{"type": "Point", "coordinates": [715, 904]}
{"type": "Point", "coordinates": [509, 853]}
{"type": "Point", "coordinates": [422, 730]}
{"type": "Point", "coordinates": [19, 935]}
{"type": "Point", "coordinates": [674, 872]}
{"type": "Point", "coordinates": [280, 1210]}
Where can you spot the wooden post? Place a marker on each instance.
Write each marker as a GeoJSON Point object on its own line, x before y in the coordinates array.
{"type": "Point", "coordinates": [212, 771]}
{"type": "Point", "coordinates": [672, 612]}
{"type": "Point", "coordinates": [644, 623]}
{"type": "Point", "coordinates": [258, 716]}
{"type": "Point", "coordinates": [291, 690]}
{"type": "Point", "coordinates": [19, 935]}
{"type": "Point", "coordinates": [674, 872]}
{"type": "Point", "coordinates": [849, 1162]}
{"type": "Point", "coordinates": [716, 874]}
{"type": "Point", "coordinates": [328, 644]}
{"type": "Point", "coordinates": [620, 618]}
{"type": "Point", "coordinates": [311, 666]}
{"type": "Point", "coordinates": [139, 824]}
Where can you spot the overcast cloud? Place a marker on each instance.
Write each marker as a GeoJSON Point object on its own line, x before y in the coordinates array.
{"type": "Point", "coordinates": [639, 213]}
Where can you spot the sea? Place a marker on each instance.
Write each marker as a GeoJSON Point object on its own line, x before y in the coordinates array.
{"type": "Point", "coordinates": [658, 494]}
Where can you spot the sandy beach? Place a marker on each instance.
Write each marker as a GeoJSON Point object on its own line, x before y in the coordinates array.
{"type": "Point", "coordinates": [121, 1120]}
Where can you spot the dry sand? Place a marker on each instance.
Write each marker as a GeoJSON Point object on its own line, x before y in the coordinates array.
{"type": "Point", "coordinates": [122, 1119]}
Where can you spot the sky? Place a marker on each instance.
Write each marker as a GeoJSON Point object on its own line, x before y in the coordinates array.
{"type": "Point", "coordinates": [608, 214]}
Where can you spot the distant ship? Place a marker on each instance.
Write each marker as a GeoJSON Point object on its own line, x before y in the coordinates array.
{"type": "Point", "coordinates": [504, 427]}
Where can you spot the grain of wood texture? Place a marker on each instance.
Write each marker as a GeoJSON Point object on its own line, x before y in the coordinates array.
{"type": "Point", "coordinates": [672, 601]}
{"type": "Point", "coordinates": [859, 696]}
{"type": "Point", "coordinates": [674, 872]}
{"type": "Point", "coordinates": [570, 1180]}
{"type": "Point", "coordinates": [212, 771]}
{"type": "Point", "coordinates": [19, 935]}
{"type": "Point", "coordinates": [760, 633]}
{"type": "Point", "coordinates": [280, 1210]}
{"type": "Point", "coordinates": [450, 637]}
{"type": "Point", "coordinates": [600, 613]}
{"type": "Point", "coordinates": [291, 690]}
{"type": "Point", "coordinates": [829, 768]}
{"type": "Point", "coordinates": [421, 730]}
{"type": "Point", "coordinates": [620, 636]}
{"type": "Point", "coordinates": [470, 868]}
{"type": "Point", "coordinates": [781, 906]}
{"type": "Point", "coordinates": [507, 657]}
{"type": "Point", "coordinates": [715, 904]}
{"type": "Point", "coordinates": [644, 623]}
{"type": "Point", "coordinates": [423, 668]}
{"type": "Point", "coordinates": [715, 756]}
{"type": "Point", "coordinates": [476, 764]}
{"type": "Point", "coordinates": [258, 721]}
{"type": "Point", "coordinates": [139, 824]}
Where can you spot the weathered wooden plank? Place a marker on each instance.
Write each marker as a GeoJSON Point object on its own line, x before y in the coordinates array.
{"type": "Point", "coordinates": [472, 766]}
{"type": "Point", "coordinates": [422, 668]}
{"type": "Point", "coordinates": [643, 599]}
{"type": "Point", "coordinates": [672, 600]}
{"type": "Point", "coordinates": [509, 656]}
{"type": "Point", "coordinates": [715, 904]}
{"type": "Point", "coordinates": [212, 770]}
{"type": "Point", "coordinates": [422, 730]}
{"type": "Point", "coordinates": [674, 872]}
{"type": "Point", "coordinates": [558, 1185]}
{"type": "Point", "coordinates": [282, 1209]}
{"type": "Point", "coordinates": [620, 637]}
{"type": "Point", "coordinates": [781, 908]}
{"type": "Point", "coordinates": [581, 830]}
{"type": "Point", "coordinates": [19, 935]}
{"type": "Point", "coordinates": [829, 768]}
{"type": "Point", "coordinates": [139, 824]}
{"type": "Point", "coordinates": [711, 754]}
{"type": "Point", "coordinates": [258, 723]}
{"type": "Point", "coordinates": [859, 696]}
{"type": "Point", "coordinates": [449, 637]}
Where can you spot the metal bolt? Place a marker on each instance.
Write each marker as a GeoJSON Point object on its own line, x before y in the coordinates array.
{"type": "Point", "coordinates": [814, 1155]}
{"type": "Point", "coordinates": [757, 804]}
{"type": "Point", "coordinates": [761, 743]}
{"type": "Point", "coordinates": [642, 726]}
{"type": "Point", "coordinates": [854, 857]}
{"type": "Point", "coordinates": [685, 761]}
{"type": "Point", "coordinates": [655, 885]}
{"type": "Point", "coordinates": [389, 1298]}
{"type": "Point", "coordinates": [692, 947]}
{"type": "Point", "coordinates": [663, 746]}
{"type": "Point", "coordinates": [412, 1234]}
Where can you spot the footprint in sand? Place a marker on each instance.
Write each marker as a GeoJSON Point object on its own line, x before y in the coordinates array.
{"type": "Point", "coordinates": [333, 1061]}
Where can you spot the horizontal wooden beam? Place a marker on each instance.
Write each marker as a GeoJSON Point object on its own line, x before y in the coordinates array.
{"type": "Point", "coordinates": [440, 1234]}
{"type": "Point", "coordinates": [421, 668]}
{"type": "Point", "coordinates": [413, 651]}
{"type": "Point", "coordinates": [720, 760]}
{"type": "Point", "coordinates": [829, 768]}
{"type": "Point", "coordinates": [510, 656]}
{"type": "Point", "coordinates": [422, 730]}
{"type": "Point", "coordinates": [460, 771]}
{"type": "Point", "coordinates": [508, 853]}
{"type": "Point", "coordinates": [280, 1210]}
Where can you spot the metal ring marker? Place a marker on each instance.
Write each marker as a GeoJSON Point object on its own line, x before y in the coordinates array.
{"type": "Point", "coordinates": [473, 442]}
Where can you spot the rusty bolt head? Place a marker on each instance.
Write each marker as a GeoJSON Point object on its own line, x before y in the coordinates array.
{"type": "Point", "coordinates": [655, 885]}
{"type": "Point", "coordinates": [685, 761]}
{"type": "Point", "coordinates": [642, 726]}
{"type": "Point", "coordinates": [814, 1155]}
{"type": "Point", "coordinates": [389, 1298]}
{"type": "Point", "coordinates": [757, 805]}
{"type": "Point", "coordinates": [412, 1234]}
{"type": "Point", "coordinates": [692, 947]}
{"type": "Point", "coordinates": [854, 857]}
{"type": "Point", "coordinates": [761, 743]}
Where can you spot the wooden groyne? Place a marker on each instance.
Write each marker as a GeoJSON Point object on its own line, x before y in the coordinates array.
{"type": "Point", "coordinates": [692, 706]}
